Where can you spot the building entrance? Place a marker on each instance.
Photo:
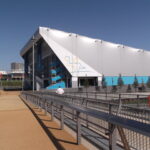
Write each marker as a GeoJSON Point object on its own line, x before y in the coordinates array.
{"type": "Point", "coordinates": [87, 81]}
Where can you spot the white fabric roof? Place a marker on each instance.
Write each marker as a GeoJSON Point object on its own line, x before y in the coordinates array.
{"type": "Point", "coordinates": [72, 62]}
{"type": "Point", "coordinates": [84, 56]}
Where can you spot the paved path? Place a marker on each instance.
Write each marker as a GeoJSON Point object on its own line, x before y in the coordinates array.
{"type": "Point", "coordinates": [19, 130]}
{"type": "Point", "coordinates": [62, 138]}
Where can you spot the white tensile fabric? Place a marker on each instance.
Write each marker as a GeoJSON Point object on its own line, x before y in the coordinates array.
{"type": "Point", "coordinates": [83, 56]}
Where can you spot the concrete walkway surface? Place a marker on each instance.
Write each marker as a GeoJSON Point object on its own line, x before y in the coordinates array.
{"type": "Point", "coordinates": [19, 129]}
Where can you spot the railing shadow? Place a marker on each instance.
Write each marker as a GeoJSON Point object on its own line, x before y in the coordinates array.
{"type": "Point", "coordinates": [46, 129]}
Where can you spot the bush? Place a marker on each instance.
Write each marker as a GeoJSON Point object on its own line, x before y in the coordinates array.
{"type": "Point", "coordinates": [11, 83]}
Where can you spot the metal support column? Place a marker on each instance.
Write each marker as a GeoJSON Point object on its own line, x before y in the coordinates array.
{"type": "Point", "coordinates": [78, 128]}
{"type": "Point", "coordinates": [87, 115]}
{"type": "Point", "coordinates": [52, 111]}
{"type": "Point", "coordinates": [73, 112]}
{"type": "Point", "coordinates": [37, 102]}
{"type": "Point", "coordinates": [45, 107]}
{"type": "Point", "coordinates": [33, 63]}
{"type": "Point", "coordinates": [112, 133]}
{"type": "Point", "coordinates": [61, 118]}
{"type": "Point", "coordinates": [40, 105]}
{"type": "Point", "coordinates": [138, 100]}
{"type": "Point", "coordinates": [112, 137]}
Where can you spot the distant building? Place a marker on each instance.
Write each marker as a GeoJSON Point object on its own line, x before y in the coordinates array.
{"type": "Point", "coordinates": [16, 73]}
{"type": "Point", "coordinates": [3, 74]}
{"type": "Point", "coordinates": [17, 67]}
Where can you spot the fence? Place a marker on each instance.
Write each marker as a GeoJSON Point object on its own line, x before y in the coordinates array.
{"type": "Point", "coordinates": [130, 99]}
{"type": "Point", "coordinates": [94, 119]}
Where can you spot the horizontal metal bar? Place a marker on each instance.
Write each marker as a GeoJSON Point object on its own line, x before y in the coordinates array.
{"type": "Point", "coordinates": [133, 125]}
{"type": "Point", "coordinates": [91, 100]}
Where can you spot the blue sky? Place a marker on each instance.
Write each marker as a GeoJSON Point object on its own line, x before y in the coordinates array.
{"type": "Point", "coordinates": [121, 21]}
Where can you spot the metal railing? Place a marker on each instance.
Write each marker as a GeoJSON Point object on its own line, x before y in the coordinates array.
{"type": "Point", "coordinates": [136, 100]}
{"type": "Point", "coordinates": [97, 118]}
{"type": "Point", "coordinates": [128, 110]}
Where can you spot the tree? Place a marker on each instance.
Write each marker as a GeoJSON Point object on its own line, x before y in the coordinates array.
{"type": "Point", "coordinates": [114, 88]}
{"type": "Point", "coordinates": [135, 83]}
{"type": "Point", "coordinates": [143, 86]}
{"type": "Point", "coordinates": [148, 82]}
{"type": "Point", "coordinates": [104, 83]}
{"type": "Point", "coordinates": [129, 88]}
{"type": "Point", "coordinates": [120, 81]}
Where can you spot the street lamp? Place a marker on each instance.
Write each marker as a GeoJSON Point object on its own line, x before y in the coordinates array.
{"type": "Point", "coordinates": [1, 75]}
{"type": "Point", "coordinates": [22, 81]}
{"type": "Point", "coordinates": [33, 67]}
{"type": "Point", "coordinates": [43, 80]}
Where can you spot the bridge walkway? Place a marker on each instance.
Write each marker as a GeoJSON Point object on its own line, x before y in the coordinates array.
{"type": "Point", "coordinates": [20, 129]}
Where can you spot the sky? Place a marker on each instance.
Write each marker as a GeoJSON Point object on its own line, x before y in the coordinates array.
{"type": "Point", "coordinates": [125, 22]}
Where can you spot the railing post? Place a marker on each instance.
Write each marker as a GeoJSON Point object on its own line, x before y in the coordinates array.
{"type": "Point", "coordinates": [120, 105]}
{"type": "Point", "coordinates": [36, 102]}
{"type": "Point", "coordinates": [106, 93]}
{"type": "Point", "coordinates": [40, 105]}
{"type": "Point", "coordinates": [78, 128]}
{"type": "Point", "coordinates": [138, 100]}
{"type": "Point", "coordinates": [95, 95]}
{"type": "Point", "coordinates": [45, 107]}
{"type": "Point", "coordinates": [52, 111]}
{"type": "Point", "coordinates": [86, 94]}
{"type": "Point", "coordinates": [112, 133]}
{"type": "Point", "coordinates": [61, 117]}
{"type": "Point", "coordinates": [73, 114]}
{"type": "Point", "coordinates": [87, 115]}
{"type": "Point", "coordinates": [72, 111]}
{"type": "Point", "coordinates": [119, 96]}
{"type": "Point", "coordinates": [112, 137]}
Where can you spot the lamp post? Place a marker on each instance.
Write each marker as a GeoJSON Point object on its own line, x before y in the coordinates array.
{"type": "Point", "coordinates": [43, 80]}
{"type": "Point", "coordinates": [1, 79]}
{"type": "Point", "coordinates": [33, 67]}
{"type": "Point", "coordinates": [22, 81]}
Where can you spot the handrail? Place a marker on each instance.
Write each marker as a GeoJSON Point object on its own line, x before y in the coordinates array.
{"type": "Point", "coordinates": [133, 125]}
{"type": "Point", "coordinates": [102, 101]}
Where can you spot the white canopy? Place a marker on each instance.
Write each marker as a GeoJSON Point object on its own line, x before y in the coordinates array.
{"type": "Point", "coordinates": [84, 56]}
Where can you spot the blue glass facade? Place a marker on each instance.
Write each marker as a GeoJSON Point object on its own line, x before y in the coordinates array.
{"type": "Point", "coordinates": [112, 80]}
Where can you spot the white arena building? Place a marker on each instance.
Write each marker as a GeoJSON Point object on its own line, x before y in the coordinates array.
{"type": "Point", "coordinates": [66, 59]}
